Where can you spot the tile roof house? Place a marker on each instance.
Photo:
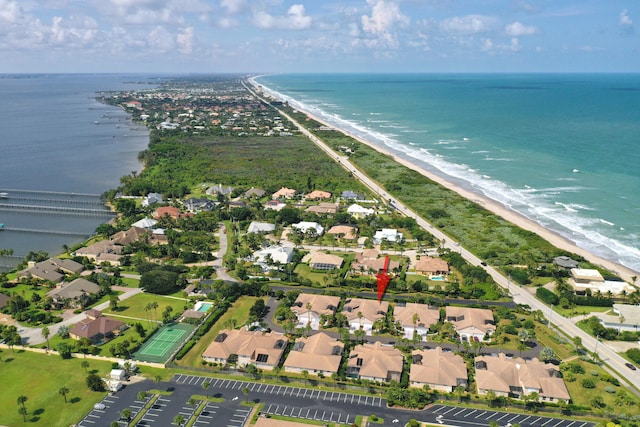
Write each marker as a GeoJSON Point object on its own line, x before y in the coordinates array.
{"type": "Point", "coordinates": [170, 211]}
{"type": "Point", "coordinates": [219, 189]}
{"type": "Point", "coordinates": [324, 208]}
{"type": "Point", "coordinates": [145, 223]}
{"type": "Point", "coordinates": [367, 262]}
{"type": "Point", "coordinates": [348, 194]}
{"type": "Point", "coordinates": [260, 227]}
{"type": "Point", "coordinates": [565, 262]}
{"type": "Point", "coordinates": [389, 234]}
{"type": "Point", "coordinates": [439, 369]}
{"type": "Point", "coordinates": [97, 327]}
{"type": "Point", "coordinates": [52, 270]}
{"type": "Point", "coordinates": [104, 250]}
{"type": "Point", "coordinates": [272, 255]}
{"type": "Point", "coordinates": [74, 294]}
{"type": "Point", "coordinates": [519, 377]}
{"type": "Point", "coordinates": [264, 350]}
{"type": "Point", "coordinates": [274, 205]}
{"type": "Point", "coordinates": [317, 195]}
{"type": "Point", "coordinates": [430, 266]}
{"type": "Point", "coordinates": [284, 193]}
{"type": "Point", "coordinates": [318, 305]}
{"type": "Point", "coordinates": [317, 354]}
{"type": "Point", "coordinates": [375, 362]}
{"type": "Point", "coordinates": [362, 313]}
{"type": "Point", "coordinates": [307, 226]}
{"type": "Point", "coordinates": [254, 192]}
{"type": "Point", "coordinates": [358, 211]}
{"type": "Point", "coordinates": [322, 261]}
{"type": "Point", "coordinates": [152, 198]}
{"type": "Point", "coordinates": [347, 232]}
{"type": "Point", "coordinates": [416, 318]}
{"type": "Point", "coordinates": [471, 324]}
{"type": "Point", "coordinates": [199, 204]}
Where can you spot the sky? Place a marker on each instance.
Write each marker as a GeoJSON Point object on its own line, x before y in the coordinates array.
{"type": "Point", "coordinates": [311, 36]}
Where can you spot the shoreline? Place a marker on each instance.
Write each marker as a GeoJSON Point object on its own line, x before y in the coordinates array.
{"type": "Point", "coordinates": [491, 205]}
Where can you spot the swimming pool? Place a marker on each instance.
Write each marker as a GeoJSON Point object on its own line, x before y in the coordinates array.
{"type": "Point", "coordinates": [437, 278]}
{"type": "Point", "coordinates": [202, 306]}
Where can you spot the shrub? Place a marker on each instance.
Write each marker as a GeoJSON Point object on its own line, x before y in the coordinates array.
{"type": "Point", "coordinates": [594, 373]}
{"type": "Point", "coordinates": [610, 390]}
{"type": "Point", "coordinates": [588, 383]}
{"type": "Point", "coordinates": [547, 296]}
{"type": "Point", "coordinates": [634, 354]}
{"type": "Point", "coordinates": [576, 368]}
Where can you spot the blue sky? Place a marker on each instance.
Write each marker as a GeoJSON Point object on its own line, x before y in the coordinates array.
{"type": "Point", "coordinates": [319, 36]}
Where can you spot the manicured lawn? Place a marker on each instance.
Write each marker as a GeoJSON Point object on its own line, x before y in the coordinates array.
{"type": "Point", "coordinates": [580, 310]}
{"type": "Point", "coordinates": [22, 375]}
{"type": "Point", "coordinates": [135, 306]}
{"type": "Point", "coordinates": [130, 282]}
{"type": "Point", "coordinates": [239, 312]}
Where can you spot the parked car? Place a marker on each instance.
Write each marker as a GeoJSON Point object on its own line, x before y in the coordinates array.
{"type": "Point", "coordinates": [99, 406]}
{"type": "Point", "coordinates": [630, 366]}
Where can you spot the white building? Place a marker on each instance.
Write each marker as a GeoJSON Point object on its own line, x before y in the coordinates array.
{"type": "Point", "coordinates": [260, 227]}
{"type": "Point", "coordinates": [389, 234]}
{"type": "Point", "coordinates": [357, 211]}
{"type": "Point", "coordinates": [273, 255]}
{"type": "Point", "coordinates": [305, 226]}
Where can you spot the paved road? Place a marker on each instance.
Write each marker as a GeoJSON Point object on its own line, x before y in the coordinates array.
{"type": "Point", "coordinates": [295, 402]}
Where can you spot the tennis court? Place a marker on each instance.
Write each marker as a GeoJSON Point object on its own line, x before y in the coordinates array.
{"type": "Point", "coordinates": [164, 342]}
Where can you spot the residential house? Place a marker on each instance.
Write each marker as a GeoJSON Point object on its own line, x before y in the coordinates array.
{"type": "Point", "coordinates": [471, 324]}
{"type": "Point", "coordinates": [324, 208]}
{"type": "Point", "coordinates": [318, 195]}
{"type": "Point", "coordinates": [626, 318]}
{"type": "Point", "coordinates": [347, 232]}
{"type": "Point", "coordinates": [242, 347]}
{"type": "Point", "coordinates": [310, 307]}
{"type": "Point", "coordinates": [416, 319]}
{"type": "Point", "coordinates": [75, 294]}
{"type": "Point", "coordinates": [137, 234]}
{"type": "Point", "coordinates": [261, 227]}
{"type": "Point", "coordinates": [358, 211]}
{"type": "Point", "coordinates": [274, 205]}
{"type": "Point", "coordinates": [322, 261]}
{"type": "Point", "coordinates": [199, 205]}
{"type": "Point", "coordinates": [441, 370]}
{"type": "Point", "coordinates": [591, 280]}
{"type": "Point", "coordinates": [517, 377]}
{"type": "Point", "coordinates": [375, 362]}
{"type": "Point", "coordinates": [51, 270]}
{"type": "Point", "coordinates": [152, 198]}
{"type": "Point", "coordinates": [387, 234]}
{"type": "Point", "coordinates": [565, 262]}
{"type": "Point", "coordinates": [309, 227]}
{"type": "Point", "coordinates": [362, 313]}
{"type": "Point", "coordinates": [284, 193]}
{"type": "Point", "coordinates": [430, 266]}
{"type": "Point", "coordinates": [272, 255]}
{"type": "Point", "coordinates": [317, 354]}
{"type": "Point", "coordinates": [147, 223]}
{"type": "Point", "coordinates": [350, 195]}
{"type": "Point", "coordinates": [254, 192]}
{"type": "Point", "coordinates": [97, 327]}
{"type": "Point", "coordinates": [104, 250]}
{"type": "Point", "coordinates": [219, 189]}
{"type": "Point", "coordinates": [368, 262]}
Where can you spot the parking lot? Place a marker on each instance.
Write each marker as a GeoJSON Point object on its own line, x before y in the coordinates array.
{"type": "Point", "coordinates": [308, 413]}
{"type": "Point", "coordinates": [466, 417]}
{"type": "Point", "coordinates": [277, 390]}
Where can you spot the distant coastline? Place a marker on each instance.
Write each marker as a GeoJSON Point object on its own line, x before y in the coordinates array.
{"type": "Point", "coordinates": [508, 214]}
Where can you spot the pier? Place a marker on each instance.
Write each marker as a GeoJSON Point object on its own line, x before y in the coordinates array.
{"type": "Point", "coordinates": [57, 210]}
{"type": "Point", "coordinates": [58, 232]}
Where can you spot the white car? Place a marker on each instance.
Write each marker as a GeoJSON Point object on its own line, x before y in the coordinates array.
{"type": "Point", "coordinates": [99, 406]}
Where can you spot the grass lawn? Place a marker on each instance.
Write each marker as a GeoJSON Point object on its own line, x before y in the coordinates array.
{"type": "Point", "coordinates": [580, 310]}
{"type": "Point", "coordinates": [239, 312]}
{"type": "Point", "coordinates": [130, 282]}
{"type": "Point", "coordinates": [135, 306]}
{"type": "Point", "coordinates": [45, 406]}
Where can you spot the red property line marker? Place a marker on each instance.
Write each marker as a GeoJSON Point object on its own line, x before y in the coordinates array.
{"type": "Point", "coordinates": [383, 279]}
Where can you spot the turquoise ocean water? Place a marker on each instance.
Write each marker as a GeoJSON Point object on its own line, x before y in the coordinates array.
{"type": "Point", "coordinates": [561, 149]}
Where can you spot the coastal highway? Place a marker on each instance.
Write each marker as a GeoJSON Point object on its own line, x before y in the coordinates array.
{"type": "Point", "coordinates": [615, 362]}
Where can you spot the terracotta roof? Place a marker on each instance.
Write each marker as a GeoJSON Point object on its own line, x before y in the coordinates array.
{"type": "Point", "coordinates": [427, 316]}
{"type": "Point", "coordinates": [370, 309]}
{"type": "Point", "coordinates": [129, 236]}
{"type": "Point", "coordinates": [438, 367]}
{"type": "Point", "coordinates": [376, 360]}
{"type": "Point", "coordinates": [321, 304]}
{"type": "Point", "coordinates": [432, 265]}
{"type": "Point", "coordinates": [349, 232]}
{"type": "Point", "coordinates": [284, 192]}
{"type": "Point", "coordinates": [466, 317]}
{"type": "Point", "coordinates": [317, 352]}
{"type": "Point", "coordinates": [502, 374]}
{"type": "Point", "coordinates": [248, 344]}
{"type": "Point", "coordinates": [89, 328]}
{"type": "Point", "coordinates": [318, 194]}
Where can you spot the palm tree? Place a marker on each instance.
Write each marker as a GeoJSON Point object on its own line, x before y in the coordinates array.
{"type": "Point", "coordinates": [85, 365]}
{"type": "Point", "coordinates": [205, 386]}
{"type": "Point", "coordinates": [45, 334]}
{"type": "Point", "coordinates": [179, 420]}
{"type": "Point", "coordinates": [21, 400]}
{"type": "Point", "coordinates": [23, 411]}
{"type": "Point", "coordinates": [63, 391]}
{"type": "Point", "coordinates": [126, 414]}
{"type": "Point", "coordinates": [154, 306]}
{"type": "Point", "coordinates": [245, 391]}
{"type": "Point", "coordinates": [142, 395]}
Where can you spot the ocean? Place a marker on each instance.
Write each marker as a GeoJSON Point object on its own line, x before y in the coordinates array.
{"type": "Point", "coordinates": [64, 148]}
{"type": "Point", "coordinates": [561, 149]}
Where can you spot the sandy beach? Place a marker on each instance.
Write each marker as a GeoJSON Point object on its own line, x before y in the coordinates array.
{"type": "Point", "coordinates": [491, 205]}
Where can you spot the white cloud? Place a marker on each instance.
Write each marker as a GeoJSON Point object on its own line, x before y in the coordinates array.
{"type": "Point", "coordinates": [469, 24]}
{"type": "Point", "coordinates": [624, 19]}
{"type": "Point", "coordinates": [184, 40]}
{"type": "Point", "coordinates": [295, 19]}
{"type": "Point", "coordinates": [517, 29]}
{"type": "Point", "coordinates": [385, 15]}
{"type": "Point", "coordinates": [233, 6]}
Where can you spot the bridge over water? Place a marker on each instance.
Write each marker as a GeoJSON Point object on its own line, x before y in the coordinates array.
{"type": "Point", "coordinates": [58, 210]}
